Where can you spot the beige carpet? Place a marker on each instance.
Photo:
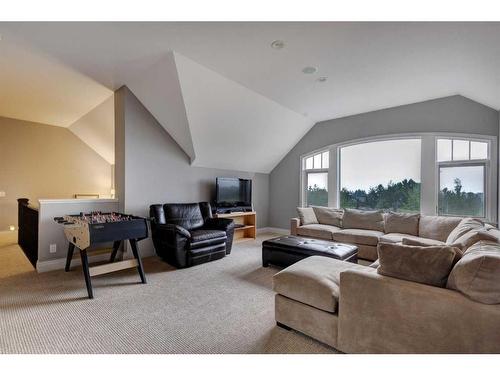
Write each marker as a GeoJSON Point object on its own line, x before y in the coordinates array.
{"type": "Point", "coordinates": [226, 306]}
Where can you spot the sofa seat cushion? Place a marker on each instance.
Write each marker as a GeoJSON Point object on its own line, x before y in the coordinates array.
{"type": "Point", "coordinates": [314, 281]}
{"type": "Point", "coordinates": [206, 237]}
{"type": "Point", "coordinates": [358, 236]}
{"type": "Point", "coordinates": [317, 231]}
{"type": "Point", "coordinates": [477, 274]}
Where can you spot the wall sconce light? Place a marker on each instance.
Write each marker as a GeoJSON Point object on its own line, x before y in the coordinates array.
{"type": "Point", "coordinates": [12, 228]}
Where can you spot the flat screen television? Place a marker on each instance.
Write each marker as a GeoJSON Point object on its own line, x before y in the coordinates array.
{"type": "Point", "coordinates": [233, 192]}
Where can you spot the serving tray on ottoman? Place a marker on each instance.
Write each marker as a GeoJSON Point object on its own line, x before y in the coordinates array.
{"type": "Point", "coordinates": [286, 250]}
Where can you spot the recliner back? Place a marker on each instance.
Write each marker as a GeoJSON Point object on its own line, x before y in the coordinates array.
{"type": "Point", "coordinates": [186, 215]}
{"type": "Point", "coordinates": [157, 213]}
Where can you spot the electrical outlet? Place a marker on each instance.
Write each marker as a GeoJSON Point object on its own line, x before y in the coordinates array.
{"type": "Point", "coordinates": [52, 248]}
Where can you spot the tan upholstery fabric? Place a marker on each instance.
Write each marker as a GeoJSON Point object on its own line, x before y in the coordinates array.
{"type": "Point", "coordinates": [420, 241]}
{"type": "Point", "coordinates": [437, 227]}
{"type": "Point", "coordinates": [375, 264]}
{"type": "Point", "coordinates": [358, 236]}
{"type": "Point", "coordinates": [367, 252]}
{"type": "Point", "coordinates": [313, 322]}
{"type": "Point", "coordinates": [317, 231]}
{"type": "Point", "coordinates": [358, 219]}
{"type": "Point", "coordinates": [381, 314]}
{"type": "Point", "coordinates": [402, 238]}
{"type": "Point", "coordinates": [495, 232]}
{"type": "Point", "coordinates": [398, 222]}
{"type": "Point", "coordinates": [466, 225]}
{"type": "Point", "coordinates": [477, 274]}
{"type": "Point", "coordinates": [313, 281]}
{"type": "Point", "coordinates": [294, 224]}
{"type": "Point", "coordinates": [306, 215]}
{"type": "Point", "coordinates": [328, 215]}
{"type": "Point", "coordinates": [422, 264]}
{"type": "Point", "coordinates": [472, 237]}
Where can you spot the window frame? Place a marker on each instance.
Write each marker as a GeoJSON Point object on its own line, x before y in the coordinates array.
{"type": "Point", "coordinates": [429, 169]}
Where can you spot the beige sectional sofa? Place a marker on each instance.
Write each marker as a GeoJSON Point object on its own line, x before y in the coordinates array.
{"type": "Point", "coordinates": [366, 229]}
{"type": "Point", "coordinates": [419, 297]}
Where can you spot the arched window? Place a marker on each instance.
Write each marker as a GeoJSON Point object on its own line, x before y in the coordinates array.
{"type": "Point", "coordinates": [435, 174]}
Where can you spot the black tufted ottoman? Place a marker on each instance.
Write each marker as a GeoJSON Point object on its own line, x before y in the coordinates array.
{"type": "Point", "coordinates": [286, 250]}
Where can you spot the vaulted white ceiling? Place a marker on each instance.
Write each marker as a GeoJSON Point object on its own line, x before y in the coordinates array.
{"type": "Point", "coordinates": [56, 72]}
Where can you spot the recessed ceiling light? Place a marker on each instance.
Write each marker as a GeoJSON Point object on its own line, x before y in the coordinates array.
{"type": "Point", "coordinates": [278, 44]}
{"type": "Point", "coordinates": [309, 70]}
{"type": "Point", "coordinates": [322, 79]}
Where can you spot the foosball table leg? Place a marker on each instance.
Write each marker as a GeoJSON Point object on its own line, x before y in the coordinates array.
{"type": "Point", "coordinates": [135, 251]}
{"type": "Point", "coordinates": [116, 246]}
{"type": "Point", "coordinates": [86, 273]}
{"type": "Point", "coordinates": [69, 256]}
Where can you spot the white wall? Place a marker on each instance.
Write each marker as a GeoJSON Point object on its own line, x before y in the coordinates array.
{"type": "Point", "coordinates": [152, 168]}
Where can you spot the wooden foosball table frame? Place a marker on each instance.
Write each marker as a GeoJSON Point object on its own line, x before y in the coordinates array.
{"type": "Point", "coordinates": [82, 235]}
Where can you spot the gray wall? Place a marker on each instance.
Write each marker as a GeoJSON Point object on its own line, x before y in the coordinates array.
{"type": "Point", "coordinates": [449, 114]}
{"type": "Point", "coordinates": [43, 161]}
{"type": "Point", "coordinates": [152, 168]}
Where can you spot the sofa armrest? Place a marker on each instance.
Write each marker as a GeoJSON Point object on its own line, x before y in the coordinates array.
{"type": "Point", "coordinates": [380, 314]}
{"type": "Point", "coordinates": [294, 224]}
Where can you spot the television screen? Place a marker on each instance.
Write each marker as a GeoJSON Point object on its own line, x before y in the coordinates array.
{"type": "Point", "coordinates": [234, 192]}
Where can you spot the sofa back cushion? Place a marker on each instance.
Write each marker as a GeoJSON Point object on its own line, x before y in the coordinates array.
{"type": "Point", "coordinates": [306, 215]}
{"type": "Point", "coordinates": [398, 222]}
{"type": "Point", "coordinates": [329, 215]}
{"type": "Point", "coordinates": [465, 225]}
{"type": "Point", "coordinates": [437, 227]}
{"type": "Point", "coordinates": [472, 237]}
{"type": "Point", "coordinates": [422, 264]}
{"type": "Point", "coordinates": [186, 215]}
{"type": "Point", "coordinates": [477, 274]}
{"type": "Point", "coordinates": [358, 219]}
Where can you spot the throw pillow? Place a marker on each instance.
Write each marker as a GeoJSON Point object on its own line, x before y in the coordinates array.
{"type": "Point", "coordinates": [306, 215]}
{"type": "Point", "coordinates": [358, 219]}
{"type": "Point", "coordinates": [477, 274]}
{"type": "Point", "coordinates": [466, 225]}
{"type": "Point", "coordinates": [398, 222]}
{"type": "Point", "coordinates": [422, 264]}
{"type": "Point", "coordinates": [428, 242]}
{"type": "Point", "coordinates": [329, 216]}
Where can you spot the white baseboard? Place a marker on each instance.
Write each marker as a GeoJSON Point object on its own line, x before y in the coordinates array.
{"type": "Point", "coordinates": [60, 263]}
{"type": "Point", "coordinates": [273, 230]}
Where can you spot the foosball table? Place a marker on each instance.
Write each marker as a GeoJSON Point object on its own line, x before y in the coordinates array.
{"type": "Point", "coordinates": [86, 230]}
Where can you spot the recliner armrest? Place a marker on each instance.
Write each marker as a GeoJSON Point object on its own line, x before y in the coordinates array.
{"type": "Point", "coordinates": [173, 228]}
{"type": "Point", "coordinates": [219, 224]}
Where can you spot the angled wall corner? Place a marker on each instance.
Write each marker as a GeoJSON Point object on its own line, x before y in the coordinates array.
{"type": "Point", "coordinates": [97, 129]}
{"type": "Point", "coordinates": [233, 127]}
{"type": "Point", "coordinates": [158, 89]}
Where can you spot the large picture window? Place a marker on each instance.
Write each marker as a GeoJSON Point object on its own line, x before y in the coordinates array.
{"type": "Point", "coordinates": [381, 175]}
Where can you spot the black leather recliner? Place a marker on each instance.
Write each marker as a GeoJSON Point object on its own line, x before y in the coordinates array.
{"type": "Point", "coordinates": [186, 234]}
